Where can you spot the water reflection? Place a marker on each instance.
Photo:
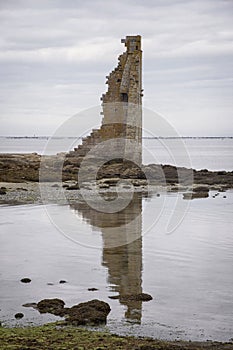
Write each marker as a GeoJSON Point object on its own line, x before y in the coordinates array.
{"type": "Point", "coordinates": [122, 249]}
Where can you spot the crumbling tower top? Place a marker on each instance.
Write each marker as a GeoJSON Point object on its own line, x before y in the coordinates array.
{"type": "Point", "coordinates": [132, 42]}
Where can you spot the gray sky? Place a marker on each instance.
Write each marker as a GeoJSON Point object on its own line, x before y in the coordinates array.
{"type": "Point", "coordinates": [54, 56]}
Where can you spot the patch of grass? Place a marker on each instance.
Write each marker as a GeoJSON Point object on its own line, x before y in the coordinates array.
{"type": "Point", "coordinates": [55, 337]}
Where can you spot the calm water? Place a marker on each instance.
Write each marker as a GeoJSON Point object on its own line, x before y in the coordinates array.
{"type": "Point", "coordinates": [212, 154]}
{"type": "Point", "coordinates": [188, 272]}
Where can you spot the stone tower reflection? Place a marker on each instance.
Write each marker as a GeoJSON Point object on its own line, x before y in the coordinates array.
{"type": "Point", "coordinates": [122, 250]}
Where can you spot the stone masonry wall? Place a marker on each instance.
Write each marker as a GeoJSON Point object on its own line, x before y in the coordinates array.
{"type": "Point", "coordinates": [122, 114]}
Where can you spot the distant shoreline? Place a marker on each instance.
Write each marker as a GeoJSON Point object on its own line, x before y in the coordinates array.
{"type": "Point", "coordinates": [144, 137]}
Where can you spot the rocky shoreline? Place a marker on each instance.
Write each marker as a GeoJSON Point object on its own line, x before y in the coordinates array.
{"type": "Point", "coordinates": [21, 180]}
{"type": "Point", "coordinates": [27, 168]}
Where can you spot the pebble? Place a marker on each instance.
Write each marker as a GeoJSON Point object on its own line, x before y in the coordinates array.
{"type": "Point", "coordinates": [19, 315]}
{"type": "Point", "coordinates": [25, 280]}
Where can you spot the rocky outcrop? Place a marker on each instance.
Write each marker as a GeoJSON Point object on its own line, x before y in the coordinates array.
{"type": "Point", "coordinates": [93, 312]}
{"type": "Point", "coordinates": [52, 306]}
{"type": "Point", "coordinates": [25, 167]}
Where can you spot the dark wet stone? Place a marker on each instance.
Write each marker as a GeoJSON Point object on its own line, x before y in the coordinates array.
{"type": "Point", "coordinates": [52, 306]}
{"type": "Point", "coordinates": [201, 189]}
{"type": "Point", "coordinates": [224, 197]}
{"type": "Point", "coordinates": [25, 280]}
{"type": "Point", "coordinates": [93, 312]}
{"type": "Point", "coordinates": [19, 315]}
{"type": "Point", "coordinates": [193, 195]}
{"type": "Point", "coordinates": [2, 191]}
{"type": "Point", "coordinates": [92, 289]}
{"type": "Point", "coordinates": [73, 187]}
{"type": "Point", "coordinates": [133, 297]}
{"type": "Point", "coordinates": [34, 305]}
{"type": "Point", "coordinates": [50, 284]}
{"type": "Point", "coordinates": [55, 185]}
{"type": "Point", "coordinates": [62, 281]}
{"type": "Point", "coordinates": [136, 297]}
{"type": "Point", "coordinates": [114, 297]}
{"type": "Point", "coordinates": [65, 186]}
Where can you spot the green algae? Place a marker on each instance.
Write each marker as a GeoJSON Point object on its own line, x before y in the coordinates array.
{"type": "Point", "coordinates": [54, 337]}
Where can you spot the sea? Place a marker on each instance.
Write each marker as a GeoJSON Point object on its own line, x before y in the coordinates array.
{"type": "Point", "coordinates": [212, 153]}
{"type": "Point", "coordinates": [178, 251]}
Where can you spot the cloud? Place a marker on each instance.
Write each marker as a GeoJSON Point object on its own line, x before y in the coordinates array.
{"type": "Point", "coordinates": [54, 56]}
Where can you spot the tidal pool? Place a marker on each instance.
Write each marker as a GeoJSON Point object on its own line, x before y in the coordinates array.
{"type": "Point", "coordinates": [188, 269]}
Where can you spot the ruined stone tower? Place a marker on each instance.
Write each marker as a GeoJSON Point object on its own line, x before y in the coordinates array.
{"type": "Point", "coordinates": [122, 111]}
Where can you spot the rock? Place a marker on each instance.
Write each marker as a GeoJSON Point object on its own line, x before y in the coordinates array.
{"type": "Point", "coordinates": [72, 187]}
{"type": "Point", "coordinates": [193, 195]}
{"type": "Point", "coordinates": [201, 189]}
{"type": "Point", "coordinates": [52, 306]}
{"type": "Point", "coordinates": [103, 185]}
{"type": "Point", "coordinates": [111, 181]}
{"type": "Point", "coordinates": [19, 315]}
{"type": "Point", "coordinates": [50, 284]}
{"type": "Point", "coordinates": [114, 297]}
{"type": "Point", "coordinates": [25, 280]}
{"type": "Point", "coordinates": [92, 289]}
{"type": "Point", "coordinates": [93, 312]}
{"type": "Point", "coordinates": [133, 297]}
{"type": "Point", "coordinates": [62, 281]}
{"type": "Point", "coordinates": [65, 186]}
{"type": "Point", "coordinates": [55, 185]}
{"type": "Point", "coordinates": [2, 191]}
{"type": "Point", "coordinates": [34, 305]}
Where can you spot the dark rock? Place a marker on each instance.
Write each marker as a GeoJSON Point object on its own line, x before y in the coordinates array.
{"type": "Point", "coordinates": [50, 284]}
{"type": "Point", "coordinates": [62, 281]}
{"type": "Point", "coordinates": [2, 191]}
{"type": "Point", "coordinates": [93, 312]}
{"type": "Point", "coordinates": [19, 315]}
{"type": "Point", "coordinates": [201, 189]}
{"type": "Point", "coordinates": [73, 187]}
{"type": "Point", "coordinates": [92, 289]}
{"type": "Point", "coordinates": [34, 305]}
{"type": "Point", "coordinates": [193, 195]}
{"type": "Point", "coordinates": [136, 297]}
{"type": "Point", "coordinates": [52, 306]}
{"type": "Point", "coordinates": [114, 297]}
{"type": "Point", "coordinates": [224, 197]}
{"type": "Point", "coordinates": [55, 185]}
{"type": "Point", "coordinates": [133, 297]}
{"type": "Point", "coordinates": [25, 280]}
{"type": "Point", "coordinates": [65, 186]}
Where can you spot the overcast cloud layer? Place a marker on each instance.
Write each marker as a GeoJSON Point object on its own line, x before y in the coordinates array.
{"type": "Point", "coordinates": [55, 54]}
